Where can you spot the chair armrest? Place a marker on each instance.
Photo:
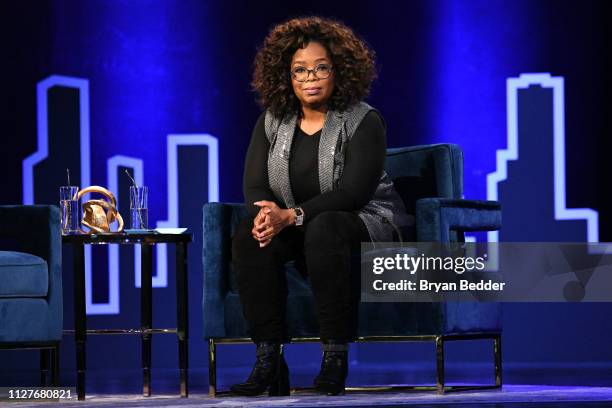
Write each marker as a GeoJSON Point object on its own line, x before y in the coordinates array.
{"type": "Point", "coordinates": [36, 229]}
{"type": "Point", "coordinates": [437, 217]}
{"type": "Point", "coordinates": [218, 223]}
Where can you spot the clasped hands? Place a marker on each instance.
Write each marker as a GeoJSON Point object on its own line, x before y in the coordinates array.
{"type": "Point", "coordinates": [270, 220]}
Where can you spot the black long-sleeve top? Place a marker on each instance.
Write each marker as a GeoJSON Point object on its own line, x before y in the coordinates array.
{"type": "Point", "coordinates": [364, 162]}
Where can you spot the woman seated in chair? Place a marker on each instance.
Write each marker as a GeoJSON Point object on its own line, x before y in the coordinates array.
{"type": "Point", "coordinates": [315, 188]}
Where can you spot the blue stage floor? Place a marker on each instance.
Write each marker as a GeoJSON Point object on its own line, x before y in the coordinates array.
{"type": "Point", "coordinates": [524, 386]}
{"type": "Point", "coordinates": [509, 396]}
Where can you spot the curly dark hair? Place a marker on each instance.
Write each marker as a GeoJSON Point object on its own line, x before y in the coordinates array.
{"type": "Point", "coordinates": [353, 60]}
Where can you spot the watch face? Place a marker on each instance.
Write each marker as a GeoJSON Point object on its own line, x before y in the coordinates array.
{"type": "Point", "coordinates": [299, 216]}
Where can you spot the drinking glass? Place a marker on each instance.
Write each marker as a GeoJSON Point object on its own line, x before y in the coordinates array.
{"type": "Point", "coordinates": [69, 206]}
{"type": "Point", "coordinates": [139, 210]}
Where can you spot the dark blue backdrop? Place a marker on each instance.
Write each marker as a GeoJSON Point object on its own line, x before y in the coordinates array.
{"type": "Point", "coordinates": [156, 68]}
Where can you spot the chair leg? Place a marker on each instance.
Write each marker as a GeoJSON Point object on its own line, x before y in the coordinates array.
{"type": "Point", "coordinates": [212, 368]}
{"type": "Point", "coordinates": [44, 366]}
{"type": "Point", "coordinates": [55, 365]}
{"type": "Point", "coordinates": [498, 360]}
{"type": "Point", "coordinates": [440, 364]}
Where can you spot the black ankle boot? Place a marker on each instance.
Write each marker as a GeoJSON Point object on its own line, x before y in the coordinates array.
{"type": "Point", "coordinates": [334, 368]}
{"type": "Point", "coordinates": [269, 373]}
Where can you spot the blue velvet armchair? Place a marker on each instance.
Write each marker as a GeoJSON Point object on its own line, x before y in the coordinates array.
{"type": "Point", "coordinates": [430, 182]}
{"type": "Point", "coordinates": [31, 282]}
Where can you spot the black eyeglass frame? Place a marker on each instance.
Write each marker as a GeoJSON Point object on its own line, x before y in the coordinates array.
{"type": "Point", "coordinates": [313, 71]}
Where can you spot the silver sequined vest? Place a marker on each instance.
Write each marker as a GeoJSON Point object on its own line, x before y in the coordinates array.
{"type": "Point", "coordinates": [383, 215]}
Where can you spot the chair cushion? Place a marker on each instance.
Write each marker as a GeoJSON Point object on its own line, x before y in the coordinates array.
{"type": "Point", "coordinates": [22, 275]}
{"type": "Point", "coordinates": [426, 319]}
{"type": "Point", "coordinates": [28, 320]}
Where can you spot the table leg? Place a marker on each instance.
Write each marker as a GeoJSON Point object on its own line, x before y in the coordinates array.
{"type": "Point", "coordinates": [182, 316]}
{"type": "Point", "coordinates": [79, 317]}
{"type": "Point", "coordinates": [440, 375]}
{"type": "Point", "coordinates": [146, 314]}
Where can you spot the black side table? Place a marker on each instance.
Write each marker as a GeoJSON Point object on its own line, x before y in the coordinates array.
{"type": "Point", "coordinates": [146, 240]}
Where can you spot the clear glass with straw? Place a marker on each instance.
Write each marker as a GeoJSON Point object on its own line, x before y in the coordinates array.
{"type": "Point", "coordinates": [139, 206]}
{"type": "Point", "coordinates": [69, 208]}
{"type": "Point", "coordinates": [139, 211]}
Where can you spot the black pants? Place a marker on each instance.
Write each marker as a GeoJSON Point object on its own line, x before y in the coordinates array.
{"type": "Point", "coordinates": [329, 244]}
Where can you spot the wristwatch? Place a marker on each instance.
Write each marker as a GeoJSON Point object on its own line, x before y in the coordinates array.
{"type": "Point", "coordinates": [299, 216]}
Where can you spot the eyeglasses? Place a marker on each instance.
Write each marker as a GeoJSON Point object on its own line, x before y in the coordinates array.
{"type": "Point", "coordinates": [321, 71]}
